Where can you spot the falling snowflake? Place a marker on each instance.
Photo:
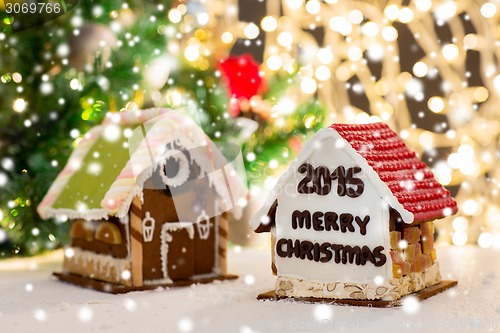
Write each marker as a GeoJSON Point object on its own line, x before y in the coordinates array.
{"type": "Point", "coordinates": [112, 133]}
{"type": "Point", "coordinates": [130, 304]}
{"type": "Point", "coordinates": [7, 163]}
{"type": "Point", "coordinates": [3, 179]}
{"type": "Point", "coordinates": [410, 304]}
{"type": "Point", "coordinates": [403, 244]}
{"type": "Point", "coordinates": [249, 279]}
{"type": "Point", "coordinates": [323, 312]}
{"type": "Point", "coordinates": [379, 280]}
{"type": "Point", "coordinates": [185, 325]}
{"type": "Point", "coordinates": [85, 314]}
{"type": "Point", "coordinates": [40, 315]}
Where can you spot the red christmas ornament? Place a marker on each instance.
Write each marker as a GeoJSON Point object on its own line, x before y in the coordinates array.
{"type": "Point", "coordinates": [243, 80]}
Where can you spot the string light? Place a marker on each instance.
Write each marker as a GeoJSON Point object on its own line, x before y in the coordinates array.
{"type": "Point", "coordinates": [390, 34]}
{"type": "Point", "coordinates": [192, 52]}
{"type": "Point", "coordinates": [285, 39]}
{"type": "Point", "coordinates": [423, 5]}
{"type": "Point", "coordinates": [436, 104]}
{"type": "Point", "coordinates": [450, 52]}
{"type": "Point", "coordinates": [174, 15]}
{"type": "Point", "coordinates": [227, 37]}
{"type": "Point", "coordinates": [370, 29]}
{"type": "Point", "coordinates": [269, 23]}
{"type": "Point", "coordinates": [322, 73]}
{"type": "Point", "coordinates": [313, 7]}
{"type": "Point", "coordinates": [274, 62]}
{"type": "Point", "coordinates": [405, 15]}
{"type": "Point", "coordinates": [354, 53]}
{"type": "Point", "coordinates": [251, 31]}
{"type": "Point", "coordinates": [294, 4]}
{"type": "Point", "coordinates": [488, 10]}
{"type": "Point", "coordinates": [420, 69]}
{"type": "Point", "coordinates": [325, 56]}
{"type": "Point", "coordinates": [485, 240]}
{"type": "Point", "coordinates": [308, 86]}
{"type": "Point", "coordinates": [391, 12]}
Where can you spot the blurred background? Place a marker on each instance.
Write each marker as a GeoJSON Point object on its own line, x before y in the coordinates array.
{"type": "Point", "coordinates": [263, 74]}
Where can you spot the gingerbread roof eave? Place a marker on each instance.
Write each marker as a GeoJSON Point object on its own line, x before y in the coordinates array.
{"type": "Point", "coordinates": [261, 216]}
{"type": "Point", "coordinates": [120, 189]}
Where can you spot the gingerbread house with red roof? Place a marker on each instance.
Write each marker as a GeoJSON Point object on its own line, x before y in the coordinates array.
{"type": "Point", "coordinates": [353, 218]}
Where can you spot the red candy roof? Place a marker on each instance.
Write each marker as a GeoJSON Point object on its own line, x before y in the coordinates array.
{"type": "Point", "coordinates": [408, 178]}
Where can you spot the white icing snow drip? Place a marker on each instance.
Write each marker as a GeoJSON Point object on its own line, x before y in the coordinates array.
{"type": "Point", "coordinates": [174, 226]}
{"type": "Point", "coordinates": [99, 266]}
{"type": "Point", "coordinates": [166, 237]}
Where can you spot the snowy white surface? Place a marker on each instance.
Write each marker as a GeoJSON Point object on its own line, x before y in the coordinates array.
{"type": "Point", "coordinates": [32, 301]}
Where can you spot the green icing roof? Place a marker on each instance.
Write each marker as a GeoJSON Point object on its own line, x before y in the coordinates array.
{"type": "Point", "coordinates": [99, 169]}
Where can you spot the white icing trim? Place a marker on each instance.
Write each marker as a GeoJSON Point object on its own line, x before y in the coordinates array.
{"type": "Point", "coordinates": [174, 226]}
{"type": "Point", "coordinates": [203, 229]}
{"type": "Point", "coordinates": [148, 229]}
{"type": "Point", "coordinates": [305, 153]}
{"type": "Point", "coordinates": [157, 282]}
{"type": "Point", "coordinates": [165, 238]}
{"type": "Point", "coordinates": [98, 266]}
{"type": "Point", "coordinates": [184, 168]}
{"type": "Point", "coordinates": [203, 276]}
{"type": "Point", "coordinates": [90, 214]}
{"type": "Point", "coordinates": [387, 240]}
{"type": "Point", "coordinates": [216, 268]}
{"type": "Point", "coordinates": [96, 213]}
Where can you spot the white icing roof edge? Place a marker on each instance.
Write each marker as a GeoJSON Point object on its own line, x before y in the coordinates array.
{"type": "Point", "coordinates": [305, 153]}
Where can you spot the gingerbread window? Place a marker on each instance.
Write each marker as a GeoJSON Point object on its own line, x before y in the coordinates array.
{"type": "Point", "coordinates": [109, 233]}
{"type": "Point", "coordinates": [81, 229]}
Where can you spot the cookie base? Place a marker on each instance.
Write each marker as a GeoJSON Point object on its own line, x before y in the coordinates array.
{"type": "Point", "coordinates": [114, 288]}
{"type": "Point", "coordinates": [421, 295]}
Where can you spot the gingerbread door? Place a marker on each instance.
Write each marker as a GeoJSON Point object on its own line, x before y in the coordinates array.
{"type": "Point", "coordinates": [177, 250]}
{"type": "Point", "coordinates": [205, 246]}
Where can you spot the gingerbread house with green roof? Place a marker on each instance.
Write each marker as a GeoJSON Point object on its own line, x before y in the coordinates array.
{"type": "Point", "coordinates": [146, 193]}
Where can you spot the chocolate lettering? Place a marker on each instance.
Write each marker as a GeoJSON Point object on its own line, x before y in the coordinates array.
{"type": "Point", "coordinates": [279, 248]}
{"type": "Point", "coordinates": [317, 221]}
{"type": "Point", "coordinates": [362, 223]}
{"type": "Point", "coordinates": [322, 181]}
{"type": "Point", "coordinates": [351, 253]}
{"type": "Point", "coordinates": [325, 252]}
{"type": "Point", "coordinates": [367, 255]}
{"type": "Point", "coordinates": [346, 223]}
{"type": "Point", "coordinates": [319, 180]}
{"type": "Point", "coordinates": [339, 174]}
{"type": "Point", "coordinates": [353, 181]}
{"type": "Point", "coordinates": [324, 248]}
{"type": "Point", "coordinates": [377, 253]}
{"type": "Point", "coordinates": [293, 248]}
{"type": "Point", "coordinates": [302, 187]}
{"type": "Point", "coordinates": [306, 248]}
{"type": "Point", "coordinates": [301, 219]}
{"type": "Point", "coordinates": [336, 249]}
{"type": "Point", "coordinates": [316, 252]}
{"type": "Point", "coordinates": [331, 221]}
